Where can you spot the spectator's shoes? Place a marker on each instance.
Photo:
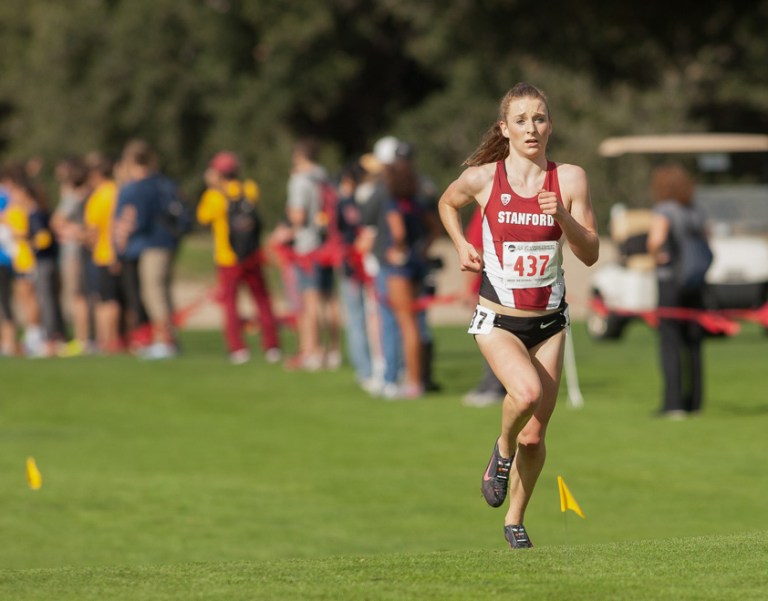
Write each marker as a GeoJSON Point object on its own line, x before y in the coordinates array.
{"type": "Point", "coordinates": [333, 359]}
{"type": "Point", "coordinates": [73, 348]}
{"type": "Point", "coordinates": [304, 363]}
{"type": "Point", "coordinates": [482, 398]}
{"type": "Point", "coordinates": [517, 537]}
{"type": "Point", "coordinates": [240, 356]}
{"type": "Point", "coordinates": [406, 392]}
{"type": "Point", "coordinates": [496, 478]}
{"type": "Point", "coordinates": [159, 351]}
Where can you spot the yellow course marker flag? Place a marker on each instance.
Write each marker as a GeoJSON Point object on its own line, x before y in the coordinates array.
{"type": "Point", "coordinates": [566, 499]}
{"type": "Point", "coordinates": [34, 477]}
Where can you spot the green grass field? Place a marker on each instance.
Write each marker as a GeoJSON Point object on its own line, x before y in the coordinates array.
{"type": "Point", "coordinates": [194, 479]}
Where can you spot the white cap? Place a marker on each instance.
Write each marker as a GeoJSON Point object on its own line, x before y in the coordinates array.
{"type": "Point", "coordinates": [385, 149]}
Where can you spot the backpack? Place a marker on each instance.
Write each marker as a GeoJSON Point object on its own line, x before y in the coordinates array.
{"type": "Point", "coordinates": [243, 218]}
{"type": "Point", "coordinates": [327, 218]}
{"type": "Point", "coordinates": [692, 251]}
{"type": "Point", "coordinates": [175, 214]}
{"type": "Point", "coordinates": [695, 259]}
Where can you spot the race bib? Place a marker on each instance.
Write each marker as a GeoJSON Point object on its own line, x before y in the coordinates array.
{"type": "Point", "coordinates": [482, 320]}
{"type": "Point", "coordinates": [531, 264]}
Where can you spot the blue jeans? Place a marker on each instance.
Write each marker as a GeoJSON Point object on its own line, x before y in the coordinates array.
{"type": "Point", "coordinates": [353, 299]}
{"type": "Point", "coordinates": [391, 345]}
{"type": "Point", "coordinates": [391, 342]}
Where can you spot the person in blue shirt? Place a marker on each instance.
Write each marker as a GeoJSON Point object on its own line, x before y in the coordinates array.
{"type": "Point", "coordinates": [7, 319]}
{"type": "Point", "coordinates": [147, 244]}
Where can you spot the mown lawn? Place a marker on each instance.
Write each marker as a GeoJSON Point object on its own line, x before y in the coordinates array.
{"type": "Point", "coordinates": [204, 480]}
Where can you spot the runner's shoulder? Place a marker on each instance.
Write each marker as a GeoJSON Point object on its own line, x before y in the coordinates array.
{"type": "Point", "coordinates": [475, 179]}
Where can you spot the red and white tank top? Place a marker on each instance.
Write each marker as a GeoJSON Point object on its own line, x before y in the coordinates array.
{"type": "Point", "coordinates": [521, 247]}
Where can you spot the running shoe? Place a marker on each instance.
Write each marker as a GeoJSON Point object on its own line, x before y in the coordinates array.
{"type": "Point", "coordinates": [496, 478]}
{"type": "Point", "coordinates": [517, 537]}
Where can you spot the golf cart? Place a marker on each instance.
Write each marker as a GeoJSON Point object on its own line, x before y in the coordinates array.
{"type": "Point", "coordinates": [736, 202]}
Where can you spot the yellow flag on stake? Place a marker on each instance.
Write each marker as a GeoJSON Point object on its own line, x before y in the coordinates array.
{"type": "Point", "coordinates": [34, 477]}
{"type": "Point", "coordinates": [566, 499]}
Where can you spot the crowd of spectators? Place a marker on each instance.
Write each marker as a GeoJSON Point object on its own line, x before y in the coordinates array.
{"type": "Point", "coordinates": [92, 271]}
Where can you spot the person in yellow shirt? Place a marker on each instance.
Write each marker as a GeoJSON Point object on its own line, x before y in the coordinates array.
{"type": "Point", "coordinates": [98, 220]}
{"type": "Point", "coordinates": [8, 346]}
{"type": "Point", "coordinates": [229, 207]}
{"type": "Point", "coordinates": [16, 218]}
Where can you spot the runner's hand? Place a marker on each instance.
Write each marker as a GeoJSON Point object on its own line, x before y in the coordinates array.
{"type": "Point", "coordinates": [470, 259]}
{"type": "Point", "coordinates": [548, 202]}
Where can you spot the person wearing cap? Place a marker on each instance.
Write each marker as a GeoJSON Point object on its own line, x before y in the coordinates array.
{"type": "Point", "coordinates": [397, 213]}
{"type": "Point", "coordinates": [224, 187]}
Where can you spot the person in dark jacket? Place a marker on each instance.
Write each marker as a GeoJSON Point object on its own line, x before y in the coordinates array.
{"type": "Point", "coordinates": [677, 220]}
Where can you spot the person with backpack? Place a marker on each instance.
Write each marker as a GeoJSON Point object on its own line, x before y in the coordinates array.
{"type": "Point", "coordinates": [147, 239]}
{"type": "Point", "coordinates": [677, 240]}
{"type": "Point", "coordinates": [230, 206]}
{"type": "Point", "coordinates": [310, 213]}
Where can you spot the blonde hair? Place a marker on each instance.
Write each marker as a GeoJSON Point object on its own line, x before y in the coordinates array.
{"type": "Point", "coordinates": [494, 146]}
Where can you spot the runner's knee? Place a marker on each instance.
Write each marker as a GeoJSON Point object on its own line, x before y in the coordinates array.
{"type": "Point", "coordinates": [526, 398]}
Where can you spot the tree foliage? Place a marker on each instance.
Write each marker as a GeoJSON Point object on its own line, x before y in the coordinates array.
{"type": "Point", "coordinates": [195, 77]}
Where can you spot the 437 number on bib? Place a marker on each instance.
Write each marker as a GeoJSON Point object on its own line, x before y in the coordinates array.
{"type": "Point", "coordinates": [531, 265]}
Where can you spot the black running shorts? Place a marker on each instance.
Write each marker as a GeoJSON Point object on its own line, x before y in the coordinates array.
{"type": "Point", "coordinates": [533, 330]}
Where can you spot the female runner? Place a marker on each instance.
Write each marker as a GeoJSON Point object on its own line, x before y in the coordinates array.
{"type": "Point", "coordinates": [530, 205]}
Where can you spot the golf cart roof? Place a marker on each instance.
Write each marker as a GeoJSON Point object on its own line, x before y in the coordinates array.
{"type": "Point", "coordinates": [683, 143]}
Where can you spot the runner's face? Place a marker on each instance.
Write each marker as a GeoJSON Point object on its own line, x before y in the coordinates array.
{"type": "Point", "coordinates": [527, 126]}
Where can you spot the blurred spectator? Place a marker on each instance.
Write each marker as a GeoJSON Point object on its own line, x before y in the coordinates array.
{"type": "Point", "coordinates": [318, 317]}
{"type": "Point", "coordinates": [74, 257]}
{"type": "Point", "coordinates": [398, 212]}
{"type": "Point", "coordinates": [16, 216]}
{"type": "Point", "coordinates": [678, 225]}
{"type": "Point", "coordinates": [353, 278]}
{"type": "Point", "coordinates": [230, 206]}
{"type": "Point", "coordinates": [99, 223]}
{"type": "Point", "coordinates": [7, 318]}
{"type": "Point", "coordinates": [47, 274]}
{"type": "Point", "coordinates": [143, 234]}
{"type": "Point", "coordinates": [135, 324]}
